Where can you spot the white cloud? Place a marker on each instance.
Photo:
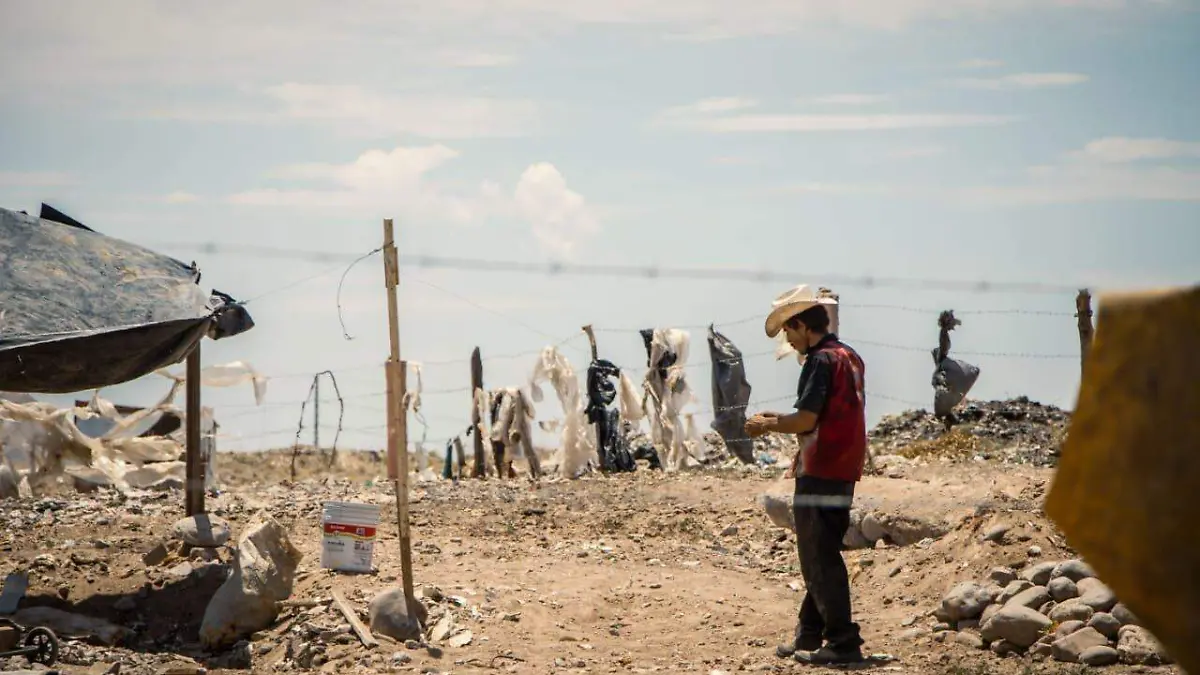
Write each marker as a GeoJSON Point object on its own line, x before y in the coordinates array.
{"type": "Point", "coordinates": [34, 178]}
{"type": "Point", "coordinates": [1068, 184]}
{"type": "Point", "coordinates": [360, 112]}
{"type": "Point", "coordinates": [84, 42]}
{"type": "Point", "coordinates": [712, 106]}
{"type": "Point", "coordinates": [179, 197]}
{"type": "Point", "coordinates": [827, 123]}
{"type": "Point", "coordinates": [1102, 171]}
{"type": "Point", "coordinates": [1024, 81]}
{"type": "Point", "coordinates": [559, 216]}
{"type": "Point", "coordinates": [917, 152]}
{"type": "Point", "coordinates": [398, 182]}
{"type": "Point", "coordinates": [980, 64]}
{"type": "Point", "coordinates": [850, 99]}
{"type": "Point", "coordinates": [1116, 149]}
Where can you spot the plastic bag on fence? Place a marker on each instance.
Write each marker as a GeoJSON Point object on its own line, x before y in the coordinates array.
{"type": "Point", "coordinates": [952, 380]}
{"type": "Point", "coordinates": [630, 400]}
{"type": "Point", "coordinates": [578, 438]}
{"type": "Point", "coordinates": [730, 395]}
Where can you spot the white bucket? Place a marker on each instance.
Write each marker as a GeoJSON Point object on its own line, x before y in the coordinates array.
{"type": "Point", "coordinates": [348, 535]}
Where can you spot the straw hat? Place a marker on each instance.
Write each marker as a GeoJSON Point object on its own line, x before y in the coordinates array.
{"type": "Point", "coordinates": [794, 301]}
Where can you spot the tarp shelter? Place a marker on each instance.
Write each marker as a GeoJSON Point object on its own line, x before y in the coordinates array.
{"type": "Point", "coordinates": [79, 310]}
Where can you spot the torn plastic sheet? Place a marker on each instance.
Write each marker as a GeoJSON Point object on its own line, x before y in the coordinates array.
{"type": "Point", "coordinates": [83, 311]}
{"type": "Point", "coordinates": [667, 392]}
{"type": "Point", "coordinates": [100, 436]}
{"type": "Point", "coordinates": [730, 395]}
{"type": "Point", "coordinates": [611, 446]}
{"type": "Point", "coordinates": [578, 446]}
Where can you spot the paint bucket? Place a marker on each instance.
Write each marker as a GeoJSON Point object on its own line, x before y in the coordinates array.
{"type": "Point", "coordinates": [348, 535]}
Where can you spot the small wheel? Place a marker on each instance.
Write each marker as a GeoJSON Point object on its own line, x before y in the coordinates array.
{"type": "Point", "coordinates": [45, 642]}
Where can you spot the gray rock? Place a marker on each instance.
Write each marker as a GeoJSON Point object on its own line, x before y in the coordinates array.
{"type": "Point", "coordinates": [1062, 589]}
{"type": "Point", "coordinates": [1039, 574]}
{"type": "Point", "coordinates": [945, 636]}
{"type": "Point", "coordinates": [1121, 613]}
{"type": "Point", "coordinates": [913, 634]}
{"type": "Point", "coordinates": [871, 528]}
{"type": "Point", "coordinates": [1002, 576]}
{"type": "Point", "coordinates": [1046, 608]}
{"type": "Point", "coordinates": [9, 485]}
{"type": "Point", "coordinates": [855, 539]}
{"type": "Point", "coordinates": [1035, 551]}
{"type": "Point", "coordinates": [996, 533]}
{"type": "Point", "coordinates": [1094, 594]}
{"type": "Point", "coordinates": [1003, 648]}
{"type": "Point", "coordinates": [1106, 624]}
{"type": "Point", "coordinates": [202, 530]}
{"type": "Point", "coordinates": [1071, 610]}
{"type": "Point", "coordinates": [1068, 627]}
{"type": "Point", "coordinates": [1099, 656]}
{"type": "Point", "coordinates": [1013, 589]}
{"type": "Point", "coordinates": [1070, 648]}
{"type": "Point", "coordinates": [969, 624]}
{"type": "Point", "coordinates": [263, 574]}
{"type": "Point", "coordinates": [1138, 647]}
{"type": "Point", "coordinates": [1031, 597]}
{"type": "Point", "coordinates": [1075, 570]}
{"type": "Point", "coordinates": [1041, 649]}
{"type": "Point", "coordinates": [125, 604]}
{"type": "Point", "coordinates": [1017, 624]}
{"type": "Point", "coordinates": [391, 616]}
{"type": "Point", "coordinates": [967, 600]}
{"type": "Point", "coordinates": [969, 640]}
{"type": "Point", "coordinates": [989, 613]}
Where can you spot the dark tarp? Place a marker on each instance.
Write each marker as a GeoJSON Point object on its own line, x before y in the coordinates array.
{"type": "Point", "coordinates": [79, 310]}
{"type": "Point", "coordinates": [730, 395]}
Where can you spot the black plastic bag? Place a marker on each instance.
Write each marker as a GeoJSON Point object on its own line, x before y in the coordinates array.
{"type": "Point", "coordinates": [730, 395]}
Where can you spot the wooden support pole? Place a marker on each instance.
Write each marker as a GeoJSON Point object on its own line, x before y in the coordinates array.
{"type": "Point", "coordinates": [480, 470]}
{"type": "Point", "coordinates": [592, 340]}
{"type": "Point", "coordinates": [1083, 315]}
{"type": "Point", "coordinates": [397, 415]}
{"type": "Point", "coordinates": [194, 485]}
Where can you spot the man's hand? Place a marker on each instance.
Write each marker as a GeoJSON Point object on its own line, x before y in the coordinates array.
{"type": "Point", "coordinates": [759, 425]}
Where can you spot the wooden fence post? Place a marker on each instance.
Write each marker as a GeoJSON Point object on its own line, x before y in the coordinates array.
{"type": "Point", "coordinates": [1083, 315]}
{"type": "Point", "coordinates": [194, 460]}
{"type": "Point", "coordinates": [480, 469]}
{"type": "Point", "coordinates": [397, 413]}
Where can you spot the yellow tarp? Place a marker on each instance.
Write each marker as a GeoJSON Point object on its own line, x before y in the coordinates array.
{"type": "Point", "coordinates": [1127, 491]}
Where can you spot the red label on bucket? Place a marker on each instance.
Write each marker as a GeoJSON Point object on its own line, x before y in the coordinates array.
{"type": "Point", "coordinates": [356, 531]}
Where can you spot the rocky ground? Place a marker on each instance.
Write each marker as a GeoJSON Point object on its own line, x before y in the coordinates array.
{"type": "Point", "coordinates": [638, 573]}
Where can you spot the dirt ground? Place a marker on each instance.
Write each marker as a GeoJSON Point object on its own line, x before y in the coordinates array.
{"type": "Point", "coordinates": [632, 573]}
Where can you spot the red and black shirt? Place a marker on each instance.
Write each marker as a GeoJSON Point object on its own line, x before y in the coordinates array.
{"type": "Point", "coordinates": [831, 387]}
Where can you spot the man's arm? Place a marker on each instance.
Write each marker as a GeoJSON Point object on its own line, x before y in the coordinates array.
{"type": "Point", "coordinates": [816, 381]}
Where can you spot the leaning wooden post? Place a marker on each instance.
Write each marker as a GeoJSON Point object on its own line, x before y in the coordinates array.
{"type": "Point", "coordinates": [397, 426]}
{"type": "Point", "coordinates": [1083, 314]}
{"type": "Point", "coordinates": [194, 464]}
{"type": "Point", "coordinates": [480, 470]}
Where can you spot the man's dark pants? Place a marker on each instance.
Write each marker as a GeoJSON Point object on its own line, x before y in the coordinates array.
{"type": "Point", "coordinates": [822, 512]}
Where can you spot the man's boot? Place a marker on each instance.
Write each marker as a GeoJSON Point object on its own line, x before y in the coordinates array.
{"type": "Point", "coordinates": [800, 644]}
{"type": "Point", "coordinates": [827, 656]}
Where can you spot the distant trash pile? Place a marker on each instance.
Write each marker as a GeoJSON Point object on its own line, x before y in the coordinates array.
{"type": "Point", "coordinates": [1018, 431]}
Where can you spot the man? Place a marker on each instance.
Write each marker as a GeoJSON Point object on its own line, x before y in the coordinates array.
{"type": "Point", "coordinates": [830, 403]}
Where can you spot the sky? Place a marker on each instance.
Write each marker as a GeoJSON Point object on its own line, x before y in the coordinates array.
{"type": "Point", "coordinates": [832, 142]}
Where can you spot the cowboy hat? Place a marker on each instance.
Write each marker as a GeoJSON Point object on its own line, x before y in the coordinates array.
{"type": "Point", "coordinates": [794, 301]}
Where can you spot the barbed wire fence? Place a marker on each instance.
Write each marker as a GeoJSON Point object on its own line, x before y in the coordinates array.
{"type": "Point", "coordinates": [372, 401]}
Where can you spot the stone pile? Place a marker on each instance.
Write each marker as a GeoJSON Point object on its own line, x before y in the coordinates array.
{"type": "Point", "coordinates": [1049, 610]}
{"type": "Point", "coordinates": [1017, 431]}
